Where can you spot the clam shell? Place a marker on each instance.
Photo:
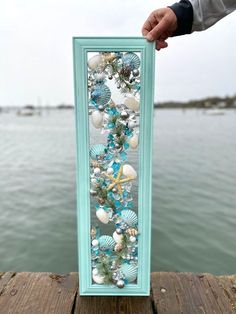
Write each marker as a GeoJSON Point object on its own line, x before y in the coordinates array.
{"type": "Point", "coordinates": [102, 215]}
{"type": "Point", "coordinates": [129, 217]}
{"type": "Point", "coordinates": [132, 103]}
{"type": "Point", "coordinates": [131, 60]}
{"type": "Point", "coordinates": [129, 171]}
{"type": "Point", "coordinates": [98, 279]}
{"type": "Point", "coordinates": [97, 119]}
{"type": "Point", "coordinates": [133, 142]}
{"type": "Point", "coordinates": [118, 237]}
{"type": "Point", "coordinates": [95, 62]}
{"type": "Point", "coordinates": [97, 150]}
{"type": "Point", "coordinates": [130, 272]}
{"type": "Point", "coordinates": [106, 243]}
{"type": "Point", "coordinates": [101, 94]}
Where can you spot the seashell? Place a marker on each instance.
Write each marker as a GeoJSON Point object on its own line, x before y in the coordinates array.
{"type": "Point", "coordinates": [129, 171]}
{"type": "Point", "coordinates": [98, 279]}
{"type": "Point", "coordinates": [109, 57]}
{"type": "Point", "coordinates": [96, 61]}
{"type": "Point", "coordinates": [118, 247]}
{"type": "Point", "coordinates": [131, 60]}
{"type": "Point", "coordinates": [132, 103]}
{"type": "Point", "coordinates": [106, 243]}
{"type": "Point", "coordinates": [102, 215]}
{"type": "Point", "coordinates": [129, 217]}
{"type": "Point", "coordinates": [118, 237]}
{"type": "Point", "coordinates": [129, 271]}
{"type": "Point", "coordinates": [96, 119]}
{"type": "Point", "coordinates": [97, 150]}
{"type": "Point", "coordinates": [133, 142]}
{"type": "Point", "coordinates": [132, 231]}
{"type": "Point", "coordinates": [100, 77]}
{"type": "Point", "coordinates": [132, 239]}
{"type": "Point", "coordinates": [101, 94]}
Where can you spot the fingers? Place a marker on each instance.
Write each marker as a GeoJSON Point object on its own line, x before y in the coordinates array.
{"type": "Point", "coordinates": [161, 44]}
{"type": "Point", "coordinates": [157, 31]}
{"type": "Point", "coordinates": [150, 23]}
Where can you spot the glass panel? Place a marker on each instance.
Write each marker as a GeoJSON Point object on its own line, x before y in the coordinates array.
{"type": "Point", "coordinates": [114, 96]}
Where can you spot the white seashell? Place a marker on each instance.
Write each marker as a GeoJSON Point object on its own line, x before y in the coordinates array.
{"type": "Point", "coordinates": [95, 62]}
{"type": "Point", "coordinates": [102, 215]}
{"type": "Point", "coordinates": [132, 103]}
{"type": "Point", "coordinates": [118, 237]}
{"type": "Point", "coordinates": [129, 171]}
{"type": "Point", "coordinates": [95, 271]}
{"type": "Point", "coordinates": [96, 119]}
{"type": "Point", "coordinates": [129, 271]}
{"type": "Point", "coordinates": [129, 217]}
{"type": "Point", "coordinates": [133, 142]}
{"type": "Point", "coordinates": [98, 279]}
{"type": "Point", "coordinates": [100, 76]}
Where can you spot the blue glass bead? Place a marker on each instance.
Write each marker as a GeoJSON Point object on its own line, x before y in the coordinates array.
{"type": "Point", "coordinates": [123, 156]}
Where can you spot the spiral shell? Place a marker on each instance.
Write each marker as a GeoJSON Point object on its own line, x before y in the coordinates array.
{"type": "Point", "coordinates": [132, 231]}
{"type": "Point", "coordinates": [129, 271]}
{"type": "Point", "coordinates": [97, 150]}
{"type": "Point", "coordinates": [106, 243]}
{"type": "Point", "coordinates": [101, 94]}
{"type": "Point", "coordinates": [133, 142]}
{"type": "Point", "coordinates": [131, 60]}
{"type": "Point", "coordinates": [129, 217]}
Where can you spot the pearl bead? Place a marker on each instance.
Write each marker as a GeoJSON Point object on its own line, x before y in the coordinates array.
{"type": "Point", "coordinates": [120, 284]}
{"type": "Point", "coordinates": [100, 108]}
{"type": "Point", "coordinates": [110, 77]}
{"type": "Point", "coordinates": [110, 170]}
{"type": "Point", "coordinates": [135, 72]}
{"type": "Point", "coordinates": [118, 230]}
{"type": "Point", "coordinates": [95, 242]}
{"type": "Point", "coordinates": [96, 170]}
{"type": "Point", "coordinates": [132, 239]}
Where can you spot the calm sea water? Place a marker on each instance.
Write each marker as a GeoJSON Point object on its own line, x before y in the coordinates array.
{"type": "Point", "coordinates": [194, 192]}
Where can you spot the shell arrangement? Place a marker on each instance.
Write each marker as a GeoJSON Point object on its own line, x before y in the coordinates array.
{"type": "Point", "coordinates": [114, 257]}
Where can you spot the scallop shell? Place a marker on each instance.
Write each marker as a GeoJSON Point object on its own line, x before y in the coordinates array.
{"type": "Point", "coordinates": [102, 215]}
{"type": "Point", "coordinates": [131, 60]}
{"type": "Point", "coordinates": [130, 272]}
{"type": "Point", "coordinates": [132, 103]}
{"type": "Point", "coordinates": [96, 61]}
{"type": "Point", "coordinates": [129, 171]}
{"type": "Point", "coordinates": [106, 243]}
{"type": "Point", "coordinates": [97, 119]}
{"type": "Point", "coordinates": [129, 217]}
{"type": "Point", "coordinates": [133, 142]}
{"type": "Point", "coordinates": [97, 150]}
{"type": "Point", "coordinates": [101, 94]}
{"type": "Point", "coordinates": [118, 237]}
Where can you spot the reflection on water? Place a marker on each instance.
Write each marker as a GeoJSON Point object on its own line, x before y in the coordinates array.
{"type": "Point", "coordinates": [194, 199]}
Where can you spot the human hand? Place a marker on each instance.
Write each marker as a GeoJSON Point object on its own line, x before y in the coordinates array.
{"type": "Point", "coordinates": [159, 26]}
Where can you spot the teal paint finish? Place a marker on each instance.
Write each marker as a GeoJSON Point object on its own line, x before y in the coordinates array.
{"type": "Point", "coordinates": [81, 46]}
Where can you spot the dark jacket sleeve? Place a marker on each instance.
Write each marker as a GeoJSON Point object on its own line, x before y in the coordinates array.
{"type": "Point", "coordinates": [184, 13]}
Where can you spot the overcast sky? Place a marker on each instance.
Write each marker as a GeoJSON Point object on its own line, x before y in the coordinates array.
{"type": "Point", "coordinates": [36, 50]}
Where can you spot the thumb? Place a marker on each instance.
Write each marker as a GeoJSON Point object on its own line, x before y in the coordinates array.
{"type": "Point", "coordinates": [156, 32]}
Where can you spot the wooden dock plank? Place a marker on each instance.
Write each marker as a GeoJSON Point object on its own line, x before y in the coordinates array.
{"type": "Point", "coordinates": [113, 305]}
{"type": "Point", "coordinates": [38, 293]}
{"type": "Point", "coordinates": [172, 293]}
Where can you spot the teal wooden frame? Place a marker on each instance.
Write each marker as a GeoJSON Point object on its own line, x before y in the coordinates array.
{"type": "Point", "coordinates": [81, 46]}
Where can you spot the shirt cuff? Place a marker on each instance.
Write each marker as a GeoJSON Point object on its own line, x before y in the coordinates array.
{"type": "Point", "coordinates": [184, 13]}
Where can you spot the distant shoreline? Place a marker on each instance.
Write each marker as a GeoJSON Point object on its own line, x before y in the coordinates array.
{"type": "Point", "coordinates": [206, 103]}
